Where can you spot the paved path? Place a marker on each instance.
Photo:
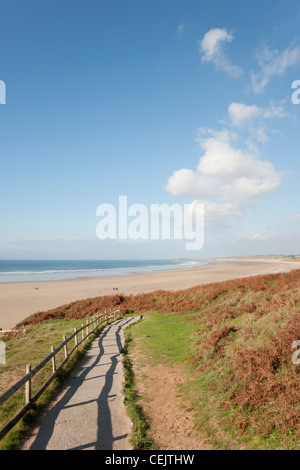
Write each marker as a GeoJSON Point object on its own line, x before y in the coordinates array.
{"type": "Point", "coordinates": [89, 413]}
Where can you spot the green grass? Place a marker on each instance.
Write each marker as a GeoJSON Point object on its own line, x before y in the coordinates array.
{"type": "Point", "coordinates": [166, 338]}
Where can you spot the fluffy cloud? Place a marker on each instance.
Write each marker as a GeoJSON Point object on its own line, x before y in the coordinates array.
{"type": "Point", "coordinates": [273, 64]}
{"type": "Point", "coordinates": [252, 118]}
{"type": "Point", "coordinates": [227, 179]}
{"type": "Point", "coordinates": [241, 114]}
{"type": "Point", "coordinates": [212, 49]}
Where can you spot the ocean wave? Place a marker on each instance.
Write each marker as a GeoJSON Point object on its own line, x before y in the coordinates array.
{"type": "Point", "coordinates": [51, 271]}
{"type": "Point", "coordinates": [78, 272]}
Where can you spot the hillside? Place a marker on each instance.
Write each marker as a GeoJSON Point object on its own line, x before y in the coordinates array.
{"type": "Point", "coordinates": [242, 359]}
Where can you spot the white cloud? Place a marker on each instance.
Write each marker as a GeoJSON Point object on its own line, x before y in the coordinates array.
{"type": "Point", "coordinates": [296, 217]}
{"type": "Point", "coordinates": [227, 179]}
{"type": "Point", "coordinates": [253, 118]}
{"type": "Point", "coordinates": [281, 237]}
{"type": "Point", "coordinates": [211, 47]}
{"type": "Point", "coordinates": [273, 64]}
{"type": "Point", "coordinates": [180, 29]}
{"type": "Point", "coordinates": [241, 114]}
{"type": "Point", "coordinates": [256, 237]}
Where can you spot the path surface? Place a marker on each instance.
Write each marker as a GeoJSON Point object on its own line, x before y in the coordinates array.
{"type": "Point", "coordinates": [89, 413]}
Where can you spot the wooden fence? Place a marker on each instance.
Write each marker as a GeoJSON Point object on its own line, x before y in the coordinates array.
{"type": "Point", "coordinates": [86, 331]}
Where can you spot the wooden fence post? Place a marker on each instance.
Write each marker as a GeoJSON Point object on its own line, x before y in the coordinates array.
{"type": "Point", "coordinates": [65, 346]}
{"type": "Point", "coordinates": [28, 385]}
{"type": "Point", "coordinates": [76, 339]}
{"type": "Point", "coordinates": [53, 361]}
{"type": "Point", "coordinates": [82, 333]}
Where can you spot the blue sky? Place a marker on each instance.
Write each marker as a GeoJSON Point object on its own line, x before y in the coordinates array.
{"type": "Point", "coordinates": [162, 101]}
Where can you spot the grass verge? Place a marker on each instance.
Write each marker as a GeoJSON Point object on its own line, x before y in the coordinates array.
{"type": "Point", "coordinates": [165, 338]}
{"type": "Point", "coordinates": [139, 438]}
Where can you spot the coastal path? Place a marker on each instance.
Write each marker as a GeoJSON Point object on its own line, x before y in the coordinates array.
{"type": "Point", "coordinates": [89, 413]}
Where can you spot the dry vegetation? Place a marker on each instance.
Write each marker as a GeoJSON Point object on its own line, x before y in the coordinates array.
{"type": "Point", "coordinates": [244, 332]}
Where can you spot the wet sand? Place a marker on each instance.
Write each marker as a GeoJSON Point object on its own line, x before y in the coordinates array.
{"type": "Point", "coordinates": [18, 300]}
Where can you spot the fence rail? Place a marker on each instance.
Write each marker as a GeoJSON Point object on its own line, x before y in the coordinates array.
{"type": "Point", "coordinates": [30, 373]}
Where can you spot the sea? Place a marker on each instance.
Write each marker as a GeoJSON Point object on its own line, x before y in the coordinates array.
{"type": "Point", "coordinates": [46, 270]}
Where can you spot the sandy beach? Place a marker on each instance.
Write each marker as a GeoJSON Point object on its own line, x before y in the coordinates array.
{"type": "Point", "coordinates": [21, 299]}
